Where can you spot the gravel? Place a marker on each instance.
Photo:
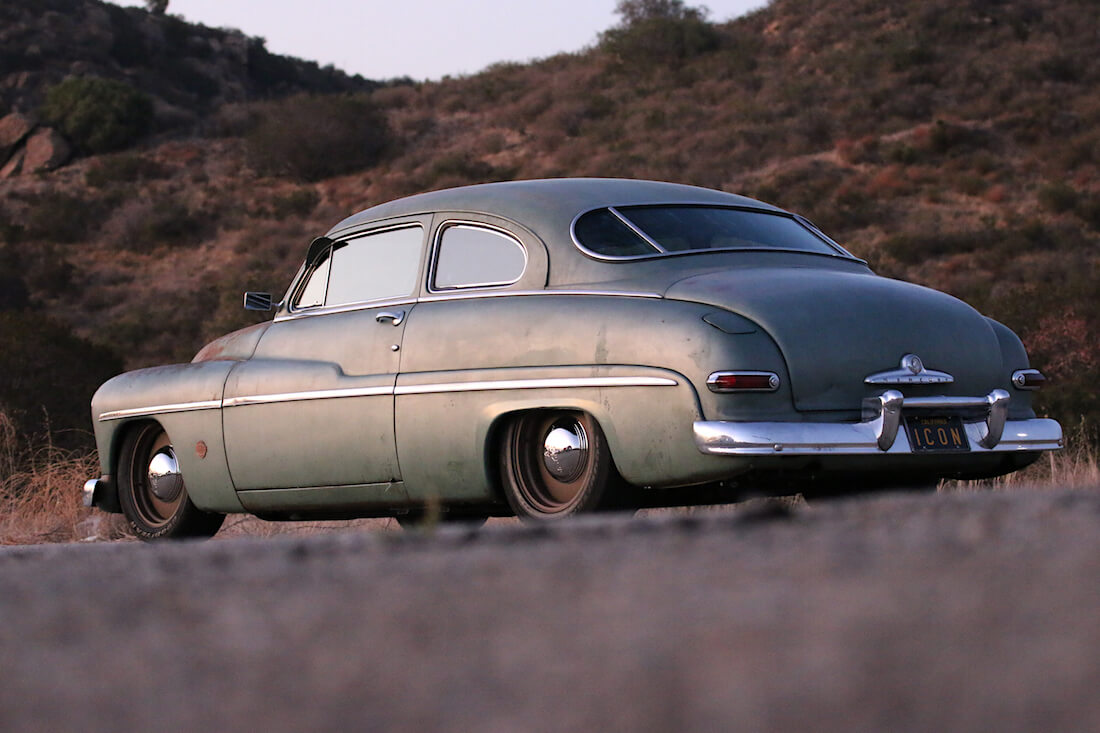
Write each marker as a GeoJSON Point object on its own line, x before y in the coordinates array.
{"type": "Point", "coordinates": [964, 611]}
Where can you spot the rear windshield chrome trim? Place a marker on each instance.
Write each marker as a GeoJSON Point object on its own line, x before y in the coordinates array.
{"type": "Point", "coordinates": [840, 253]}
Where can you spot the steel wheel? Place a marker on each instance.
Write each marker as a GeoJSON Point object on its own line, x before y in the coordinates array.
{"type": "Point", "coordinates": [555, 464]}
{"type": "Point", "coordinates": [152, 491]}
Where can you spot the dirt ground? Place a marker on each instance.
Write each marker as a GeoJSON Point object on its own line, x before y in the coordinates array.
{"type": "Point", "coordinates": [967, 611]}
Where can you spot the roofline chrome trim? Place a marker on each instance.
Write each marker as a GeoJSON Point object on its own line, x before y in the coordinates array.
{"type": "Point", "coordinates": [507, 384]}
{"type": "Point", "coordinates": [763, 209]}
{"type": "Point", "coordinates": [634, 228]}
{"type": "Point", "coordinates": [160, 409]}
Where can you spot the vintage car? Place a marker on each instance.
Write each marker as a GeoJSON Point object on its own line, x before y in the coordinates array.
{"type": "Point", "coordinates": [543, 348]}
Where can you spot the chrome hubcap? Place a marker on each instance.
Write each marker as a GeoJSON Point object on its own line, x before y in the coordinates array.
{"type": "Point", "coordinates": [165, 479]}
{"type": "Point", "coordinates": [565, 451]}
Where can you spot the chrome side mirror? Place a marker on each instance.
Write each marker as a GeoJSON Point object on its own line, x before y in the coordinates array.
{"type": "Point", "coordinates": [257, 301]}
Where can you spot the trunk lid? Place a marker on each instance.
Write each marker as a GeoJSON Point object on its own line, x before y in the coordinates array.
{"type": "Point", "coordinates": [837, 327]}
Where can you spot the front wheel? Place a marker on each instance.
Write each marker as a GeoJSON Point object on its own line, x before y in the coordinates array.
{"type": "Point", "coordinates": [555, 464]}
{"type": "Point", "coordinates": [152, 492]}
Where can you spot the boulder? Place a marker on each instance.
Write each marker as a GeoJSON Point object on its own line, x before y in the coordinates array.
{"type": "Point", "coordinates": [46, 150]}
{"type": "Point", "coordinates": [13, 129]}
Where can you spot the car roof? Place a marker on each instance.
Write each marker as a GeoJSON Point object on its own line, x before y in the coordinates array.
{"type": "Point", "coordinates": [547, 206]}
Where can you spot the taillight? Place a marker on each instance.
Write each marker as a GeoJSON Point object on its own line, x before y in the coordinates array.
{"type": "Point", "coordinates": [743, 382]}
{"type": "Point", "coordinates": [1028, 379]}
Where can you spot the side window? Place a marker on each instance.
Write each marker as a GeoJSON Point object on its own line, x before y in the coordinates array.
{"type": "Point", "coordinates": [472, 256]}
{"type": "Point", "coordinates": [375, 266]}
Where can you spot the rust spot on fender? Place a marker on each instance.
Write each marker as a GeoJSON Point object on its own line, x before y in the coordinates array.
{"type": "Point", "coordinates": [200, 449]}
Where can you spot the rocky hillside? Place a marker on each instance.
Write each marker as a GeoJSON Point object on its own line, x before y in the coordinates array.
{"type": "Point", "coordinates": [955, 143]}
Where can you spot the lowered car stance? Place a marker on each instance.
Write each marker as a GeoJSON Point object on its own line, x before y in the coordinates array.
{"type": "Point", "coordinates": [546, 348]}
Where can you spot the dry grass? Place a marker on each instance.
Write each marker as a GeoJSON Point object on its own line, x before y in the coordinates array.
{"type": "Point", "coordinates": [40, 497]}
{"type": "Point", "coordinates": [1075, 467]}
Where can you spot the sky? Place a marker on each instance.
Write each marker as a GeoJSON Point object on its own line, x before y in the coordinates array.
{"type": "Point", "coordinates": [422, 39]}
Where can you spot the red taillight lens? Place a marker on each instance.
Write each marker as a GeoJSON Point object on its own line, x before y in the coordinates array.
{"type": "Point", "coordinates": [743, 382]}
{"type": "Point", "coordinates": [1028, 379]}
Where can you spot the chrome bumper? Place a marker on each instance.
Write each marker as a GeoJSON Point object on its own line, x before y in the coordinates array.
{"type": "Point", "coordinates": [89, 491]}
{"type": "Point", "coordinates": [985, 421]}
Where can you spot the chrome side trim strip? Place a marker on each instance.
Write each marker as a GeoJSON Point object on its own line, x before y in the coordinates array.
{"type": "Point", "coordinates": [525, 293]}
{"type": "Point", "coordinates": [564, 382]}
{"type": "Point", "coordinates": [161, 409]}
{"type": "Point", "coordinates": [317, 394]}
{"type": "Point", "coordinates": [345, 308]}
{"type": "Point", "coordinates": [439, 388]}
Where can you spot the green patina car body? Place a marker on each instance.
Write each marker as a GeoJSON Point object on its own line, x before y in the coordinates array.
{"type": "Point", "coordinates": [547, 347]}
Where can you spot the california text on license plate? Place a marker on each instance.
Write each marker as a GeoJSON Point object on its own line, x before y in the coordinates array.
{"type": "Point", "coordinates": [940, 434]}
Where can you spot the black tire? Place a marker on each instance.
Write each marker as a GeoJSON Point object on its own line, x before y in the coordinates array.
{"type": "Point", "coordinates": [167, 515]}
{"type": "Point", "coordinates": [544, 484]}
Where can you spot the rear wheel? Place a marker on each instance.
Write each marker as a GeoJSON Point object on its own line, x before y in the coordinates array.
{"type": "Point", "coordinates": [152, 492]}
{"type": "Point", "coordinates": [555, 464]}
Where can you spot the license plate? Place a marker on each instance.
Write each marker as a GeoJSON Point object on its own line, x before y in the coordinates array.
{"type": "Point", "coordinates": [937, 434]}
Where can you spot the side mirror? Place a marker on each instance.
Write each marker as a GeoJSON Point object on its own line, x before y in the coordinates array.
{"type": "Point", "coordinates": [257, 301]}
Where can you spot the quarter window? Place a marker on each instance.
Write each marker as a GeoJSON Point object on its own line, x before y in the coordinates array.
{"type": "Point", "coordinates": [473, 256]}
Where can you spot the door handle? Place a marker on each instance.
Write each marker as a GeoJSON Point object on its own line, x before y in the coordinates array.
{"type": "Point", "coordinates": [395, 317]}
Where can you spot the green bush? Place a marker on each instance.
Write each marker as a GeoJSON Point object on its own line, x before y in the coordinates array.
{"type": "Point", "coordinates": [308, 138]}
{"type": "Point", "coordinates": [659, 33]}
{"type": "Point", "coordinates": [98, 115]}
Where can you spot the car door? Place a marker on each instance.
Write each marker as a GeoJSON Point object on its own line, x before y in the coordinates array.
{"type": "Point", "coordinates": [313, 407]}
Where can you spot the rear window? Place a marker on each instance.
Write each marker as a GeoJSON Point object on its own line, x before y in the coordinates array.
{"type": "Point", "coordinates": [644, 231]}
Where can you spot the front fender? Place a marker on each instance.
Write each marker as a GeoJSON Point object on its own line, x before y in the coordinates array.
{"type": "Point", "coordinates": [186, 400]}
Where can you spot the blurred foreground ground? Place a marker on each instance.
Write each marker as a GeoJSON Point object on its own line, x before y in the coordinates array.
{"type": "Point", "coordinates": [952, 611]}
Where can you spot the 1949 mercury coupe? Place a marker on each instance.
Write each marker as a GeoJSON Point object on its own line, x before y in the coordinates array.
{"type": "Point", "coordinates": [543, 348]}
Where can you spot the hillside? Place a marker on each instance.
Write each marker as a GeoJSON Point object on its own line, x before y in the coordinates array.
{"type": "Point", "coordinates": [955, 144]}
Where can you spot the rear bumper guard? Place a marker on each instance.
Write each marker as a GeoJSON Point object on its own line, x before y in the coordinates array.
{"type": "Point", "coordinates": [984, 418]}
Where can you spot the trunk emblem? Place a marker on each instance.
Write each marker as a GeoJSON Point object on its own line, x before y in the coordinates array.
{"type": "Point", "coordinates": [912, 371]}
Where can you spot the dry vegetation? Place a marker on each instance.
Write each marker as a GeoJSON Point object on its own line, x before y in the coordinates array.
{"type": "Point", "coordinates": [955, 144]}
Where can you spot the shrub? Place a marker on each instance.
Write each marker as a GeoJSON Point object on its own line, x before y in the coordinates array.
{"type": "Point", "coordinates": [1058, 197]}
{"type": "Point", "coordinates": [144, 224]}
{"type": "Point", "coordinates": [123, 168]}
{"type": "Point", "coordinates": [659, 33]}
{"type": "Point", "coordinates": [98, 115]}
{"type": "Point", "coordinates": [300, 202]}
{"type": "Point", "coordinates": [61, 217]}
{"type": "Point", "coordinates": [309, 138]}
